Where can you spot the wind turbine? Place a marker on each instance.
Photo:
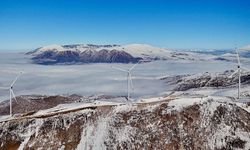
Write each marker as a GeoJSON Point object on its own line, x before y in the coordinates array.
{"type": "Point", "coordinates": [129, 78]}
{"type": "Point", "coordinates": [11, 92]}
{"type": "Point", "coordinates": [239, 70]}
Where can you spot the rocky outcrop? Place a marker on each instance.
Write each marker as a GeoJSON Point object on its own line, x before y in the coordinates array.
{"type": "Point", "coordinates": [186, 82]}
{"type": "Point", "coordinates": [106, 56]}
{"type": "Point", "coordinates": [186, 123]}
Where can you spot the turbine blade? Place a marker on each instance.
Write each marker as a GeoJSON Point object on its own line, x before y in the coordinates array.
{"type": "Point", "coordinates": [238, 56]}
{"type": "Point", "coordinates": [133, 66]}
{"type": "Point", "coordinates": [116, 68]}
{"type": "Point", "coordinates": [15, 79]}
{"type": "Point", "coordinates": [235, 72]}
{"type": "Point", "coordinates": [131, 82]}
{"type": "Point", "coordinates": [13, 95]}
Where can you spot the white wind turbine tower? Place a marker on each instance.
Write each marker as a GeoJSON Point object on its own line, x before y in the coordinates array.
{"type": "Point", "coordinates": [239, 70]}
{"type": "Point", "coordinates": [11, 92]}
{"type": "Point", "coordinates": [129, 78]}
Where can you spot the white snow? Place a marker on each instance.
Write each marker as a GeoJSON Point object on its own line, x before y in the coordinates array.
{"type": "Point", "coordinates": [54, 47]}
{"type": "Point", "coordinates": [124, 133]}
{"type": "Point", "coordinates": [5, 117]}
{"type": "Point", "coordinates": [150, 100]}
{"type": "Point", "coordinates": [124, 108]}
{"type": "Point", "coordinates": [93, 135]}
{"type": "Point", "coordinates": [72, 106]}
{"type": "Point", "coordinates": [218, 138]}
{"type": "Point", "coordinates": [137, 50]}
{"type": "Point", "coordinates": [180, 103]}
{"type": "Point", "coordinates": [247, 47]}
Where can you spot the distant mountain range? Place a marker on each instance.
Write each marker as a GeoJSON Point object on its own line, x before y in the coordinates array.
{"type": "Point", "coordinates": [132, 53]}
{"type": "Point", "coordinates": [71, 54]}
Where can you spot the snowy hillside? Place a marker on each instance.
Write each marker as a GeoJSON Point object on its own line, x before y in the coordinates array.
{"type": "Point", "coordinates": [215, 80]}
{"type": "Point", "coordinates": [158, 123]}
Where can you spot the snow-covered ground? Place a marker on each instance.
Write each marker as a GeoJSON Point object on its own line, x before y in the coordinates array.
{"type": "Point", "coordinates": [192, 118]}
{"type": "Point", "coordinates": [73, 106]}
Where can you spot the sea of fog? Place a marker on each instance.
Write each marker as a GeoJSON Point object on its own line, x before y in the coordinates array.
{"type": "Point", "coordinates": [95, 79]}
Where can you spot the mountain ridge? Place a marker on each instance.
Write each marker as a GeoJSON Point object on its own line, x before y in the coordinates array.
{"type": "Point", "coordinates": [113, 53]}
{"type": "Point", "coordinates": [169, 123]}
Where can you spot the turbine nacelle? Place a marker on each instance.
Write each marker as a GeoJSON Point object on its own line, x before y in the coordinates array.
{"type": "Point", "coordinates": [239, 70]}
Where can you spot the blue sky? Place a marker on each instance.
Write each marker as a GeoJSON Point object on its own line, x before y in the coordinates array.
{"type": "Point", "coordinates": [27, 24]}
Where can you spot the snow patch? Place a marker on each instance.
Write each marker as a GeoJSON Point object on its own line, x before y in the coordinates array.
{"type": "Point", "coordinates": [150, 100]}
{"type": "Point", "coordinates": [124, 108]}
{"type": "Point", "coordinates": [54, 47]}
{"type": "Point", "coordinates": [93, 135]}
{"type": "Point", "coordinates": [180, 103]}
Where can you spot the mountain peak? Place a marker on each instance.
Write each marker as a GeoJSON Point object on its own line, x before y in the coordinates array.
{"type": "Point", "coordinates": [247, 47]}
{"type": "Point", "coordinates": [51, 47]}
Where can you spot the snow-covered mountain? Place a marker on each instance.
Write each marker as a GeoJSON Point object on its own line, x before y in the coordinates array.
{"type": "Point", "coordinates": [136, 50]}
{"type": "Point", "coordinates": [80, 53]}
{"type": "Point", "coordinates": [157, 123]}
{"type": "Point", "coordinates": [89, 53]}
{"type": "Point", "coordinates": [246, 47]}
